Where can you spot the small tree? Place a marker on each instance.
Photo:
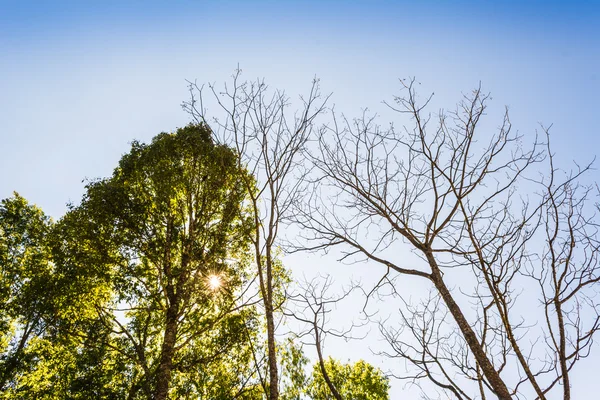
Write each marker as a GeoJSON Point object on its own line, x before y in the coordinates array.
{"type": "Point", "coordinates": [358, 381]}
{"type": "Point", "coordinates": [312, 305]}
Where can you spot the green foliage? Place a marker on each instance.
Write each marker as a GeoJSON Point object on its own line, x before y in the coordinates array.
{"type": "Point", "coordinates": [43, 317]}
{"type": "Point", "coordinates": [169, 217]}
{"type": "Point", "coordinates": [358, 381]}
{"type": "Point", "coordinates": [87, 303]}
{"type": "Point", "coordinates": [293, 363]}
{"type": "Point", "coordinates": [26, 289]}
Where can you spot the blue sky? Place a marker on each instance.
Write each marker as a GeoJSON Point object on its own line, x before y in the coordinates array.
{"type": "Point", "coordinates": [79, 80]}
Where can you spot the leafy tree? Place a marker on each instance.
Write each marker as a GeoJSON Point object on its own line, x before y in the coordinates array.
{"type": "Point", "coordinates": [358, 381]}
{"type": "Point", "coordinates": [167, 223]}
{"type": "Point", "coordinates": [25, 270]}
{"type": "Point", "coordinates": [39, 306]}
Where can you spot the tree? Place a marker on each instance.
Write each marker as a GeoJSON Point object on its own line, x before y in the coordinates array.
{"type": "Point", "coordinates": [25, 308]}
{"type": "Point", "coordinates": [269, 143]}
{"type": "Point", "coordinates": [168, 232]}
{"type": "Point", "coordinates": [312, 305]}
{"type": "Point", "coordinates": [44, 317]}
{"type": "Point", "coordinates": [358, 381]}
{"type": "Point", "coordinates": [440, 189]}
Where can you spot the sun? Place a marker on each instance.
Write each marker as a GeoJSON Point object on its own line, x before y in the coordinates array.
{"type": "Point", "coordinates": [214, 282]}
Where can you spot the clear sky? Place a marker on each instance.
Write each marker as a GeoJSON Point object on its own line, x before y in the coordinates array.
{"type": "Point", "coordinates": [80, 79]}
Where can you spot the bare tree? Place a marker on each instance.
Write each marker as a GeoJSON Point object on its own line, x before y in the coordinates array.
{"type": "Point", "coordinates": [312, 306]}
{"type": "Point", "coordinates": [496, 228]}
{"type": "Point", "coordinates": [269, 142]}
{"type": "Point", "coordinates": [431, 345]}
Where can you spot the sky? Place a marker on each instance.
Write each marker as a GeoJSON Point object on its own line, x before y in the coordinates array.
{"type": "Point", "coordinates": [80, 80]}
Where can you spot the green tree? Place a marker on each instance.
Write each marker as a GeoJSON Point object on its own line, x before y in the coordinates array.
{"type": "Point", "coordinates": [358, 381]}
{"type": "Point", "coordinates": [43, 317]}
{"type": "Point", "coordinates": [167, 233]}
{"type": "Point", "coordinates": [25, 271]}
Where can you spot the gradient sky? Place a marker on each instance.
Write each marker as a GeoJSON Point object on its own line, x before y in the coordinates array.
{"type": "Point", "coordinates": [80, 79]}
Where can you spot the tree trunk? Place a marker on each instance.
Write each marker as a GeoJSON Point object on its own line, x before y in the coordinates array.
{"type": "Point", "coordinates": [330, 384]}
{"type": "Point", "coordinates": [562, 350]}
{"type": "Point", "coordinates": [163, 375]}
{"type": "Point", "coordinates": [273, 373]}
{"type": "Point", "coordinates": [272, 352]}
{"type": "Point", "coordinates": [493, 377]}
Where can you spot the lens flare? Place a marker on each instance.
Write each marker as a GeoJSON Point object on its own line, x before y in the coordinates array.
{"type": "Point", "coordinates": [214, 282]}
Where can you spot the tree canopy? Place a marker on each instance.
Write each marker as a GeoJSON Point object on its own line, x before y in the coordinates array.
{"type": "Point", "coordinates": [143, 290]}
{"type": "Point", "coordinates": [358, 381]}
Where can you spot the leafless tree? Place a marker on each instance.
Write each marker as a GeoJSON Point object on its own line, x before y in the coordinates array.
{"type": "Point", "coordinates": [431, 345]}
{"type": "Point", "coordinates": [507, 241]}
{"type": "Point", "coordinates": [270, 142]}
{"type": "Point", "coordinates": [312, 305]}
